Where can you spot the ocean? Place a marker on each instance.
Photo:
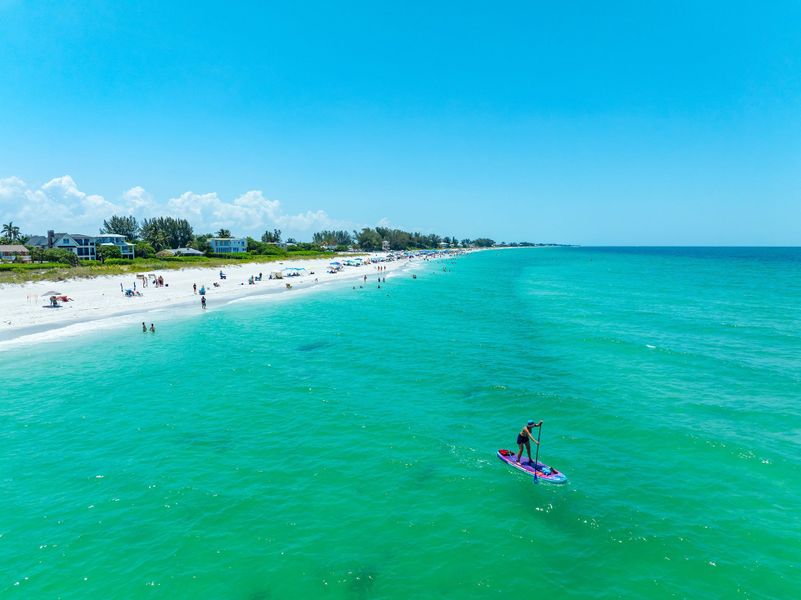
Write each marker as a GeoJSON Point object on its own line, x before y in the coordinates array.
{"type": "Point", "coordinates": [342, 443]}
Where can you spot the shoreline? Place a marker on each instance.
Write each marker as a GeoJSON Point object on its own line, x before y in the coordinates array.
{"type": "Point", "coordinates": [26, 318]}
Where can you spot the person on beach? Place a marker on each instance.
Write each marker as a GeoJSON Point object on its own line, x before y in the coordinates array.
{"type": "Point", "coordinates": [144, 327]}
{"type": "Point", "coordinates": [203, 302]}
{"type": "Point", "coordinates": [194, 287]}
{"type": "Point", "coordinates": [152, 328]}
{"type": "Point", "coordinates": [523, 438]}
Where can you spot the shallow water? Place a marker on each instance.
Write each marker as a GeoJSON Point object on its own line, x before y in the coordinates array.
{"type": "Point", "coordinates": [344, 442]}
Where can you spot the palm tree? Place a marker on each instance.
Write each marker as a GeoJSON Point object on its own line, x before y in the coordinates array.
{"type": "Point", "coordinates": [11, 231]}
{"type": "Point", "coordinates": [224, 233]}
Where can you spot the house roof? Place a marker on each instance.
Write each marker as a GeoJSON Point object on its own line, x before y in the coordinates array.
{"type": "Point", "coordinates": [41, 240]}
{"type": "Point", "coordinates": [37, 240]}
{"type": "Point", "coordinates": [13, 248]}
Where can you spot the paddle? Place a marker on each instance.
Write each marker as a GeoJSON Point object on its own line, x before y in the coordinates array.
{"type": "Point", "coordinates": [537, 452]}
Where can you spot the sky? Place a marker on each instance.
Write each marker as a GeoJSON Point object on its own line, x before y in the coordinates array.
{"type": "Point", "coordinates": [617, 123]}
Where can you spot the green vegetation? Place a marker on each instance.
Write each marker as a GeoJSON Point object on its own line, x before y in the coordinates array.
{"type": "Point", "coordinates": [5, 267]}
{"type": "Point", "coordinates": [144, 250]}
{"type": "Point", "coordinates": [371, 239]}
{"type": "Point", "coordinates": [263, 248]}
{"type": "Point", "coordinates": [271, 237]}
{"type": "Point", "coordinates": [58, 271]}
{"type": "Point", "coordinates": [122, 225]}
{"type": "Point", "coordinates": [333, 238]}
{"type": "Point", "coordinates": [166, 232]}
{"type": "Point", "coordinates": [53, 255]}
{"type": "Point", "coordinates": [105, 252]}
{"type": "Point", "coordinates": [9, 234]}
{"type": "Point", "coordinates": [10, 231]}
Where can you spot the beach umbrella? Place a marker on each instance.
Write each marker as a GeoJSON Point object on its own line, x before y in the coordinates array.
{"type": "Point", "coordinates": [52, 293]}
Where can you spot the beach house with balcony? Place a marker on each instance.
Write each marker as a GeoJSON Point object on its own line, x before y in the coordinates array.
{"type": "Point", "coordinates": [228, 245]}
{"type": "Point", "coordinates": [83, 246]}
{"type": "Point", "coordinates": [113, 239]}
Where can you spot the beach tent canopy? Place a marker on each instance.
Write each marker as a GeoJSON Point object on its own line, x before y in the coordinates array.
{"type": "Point", "coordinates": [52, 293]}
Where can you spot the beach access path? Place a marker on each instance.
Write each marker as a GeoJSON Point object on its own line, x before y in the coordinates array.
{"type": "Point", "coordinates": [25, 314]}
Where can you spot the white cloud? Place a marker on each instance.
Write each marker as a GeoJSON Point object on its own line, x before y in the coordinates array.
{"type": "Point", "coordinates": [10, 187]}
{"type": "Point", "coordinates": [60, 204]}
{"type": "Point", "coordinates": [139, 201]}
{"type": "Point", "coordinates": [250, 212]}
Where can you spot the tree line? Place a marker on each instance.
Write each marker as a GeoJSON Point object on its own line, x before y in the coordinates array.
{"type": "Point", "coordinates": [373, 238]}
{"type": "Point", "coordinates": [151, 236]}
{"type": "Point", "coordinates": [167, 232]}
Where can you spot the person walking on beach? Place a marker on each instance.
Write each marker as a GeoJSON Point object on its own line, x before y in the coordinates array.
{"type": "Point", "coordinates": [194, 287]}
{"type": "Point", "coordinates": [523, 438]}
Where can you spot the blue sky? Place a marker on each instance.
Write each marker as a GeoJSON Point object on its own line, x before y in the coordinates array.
{"type": "Point", "coordinates": [579, 122]}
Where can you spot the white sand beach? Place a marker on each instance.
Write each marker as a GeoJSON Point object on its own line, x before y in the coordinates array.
{"type": "Point", "coordinates": [25, 314]}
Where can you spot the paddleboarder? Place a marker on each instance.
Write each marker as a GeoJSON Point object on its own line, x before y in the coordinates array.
{"type": "Point", "coordinates": [523, 439]}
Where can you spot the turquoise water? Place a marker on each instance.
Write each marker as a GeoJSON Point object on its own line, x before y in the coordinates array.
{"type": "Point", "coordinates": [343, 443]}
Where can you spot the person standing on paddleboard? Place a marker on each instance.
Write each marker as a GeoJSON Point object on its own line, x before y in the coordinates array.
{"type": "Point", "coordinates": [523, 439]}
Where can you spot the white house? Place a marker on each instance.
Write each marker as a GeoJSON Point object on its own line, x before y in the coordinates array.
{"type": "Point", "coordinates": [83, 246]}
{"type": "Point", "coordinates": [228, 245]}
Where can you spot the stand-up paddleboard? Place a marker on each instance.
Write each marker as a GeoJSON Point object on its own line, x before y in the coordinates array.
{"type": "Point", "coordinates": [542, 471]}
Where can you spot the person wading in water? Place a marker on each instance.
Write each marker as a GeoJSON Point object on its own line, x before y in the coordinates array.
{"type": "Point", "coordinates": [523, 439]}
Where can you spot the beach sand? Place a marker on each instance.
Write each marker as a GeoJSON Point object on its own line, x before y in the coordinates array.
{"type": "Point", "coordinates": [26, 317]}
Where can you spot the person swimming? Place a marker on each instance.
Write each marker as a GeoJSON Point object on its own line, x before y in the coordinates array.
{"type": "Point", "coordinates": [523, 439]}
